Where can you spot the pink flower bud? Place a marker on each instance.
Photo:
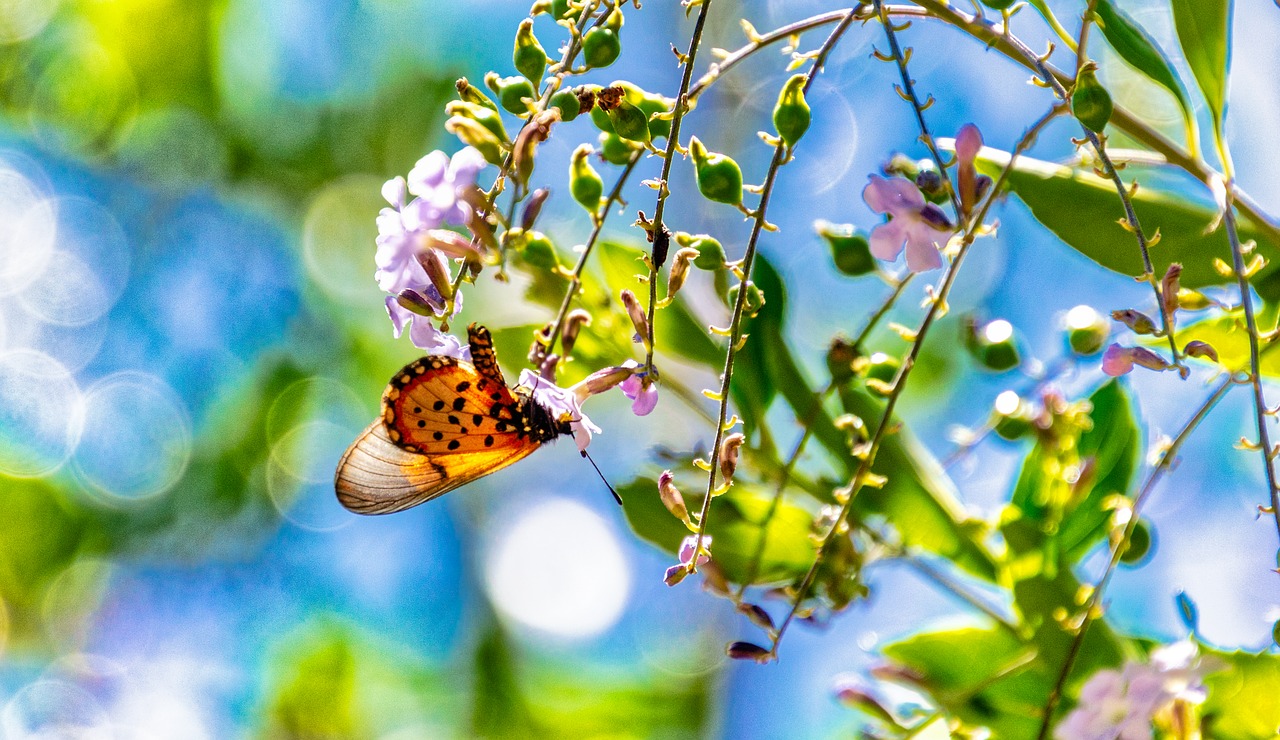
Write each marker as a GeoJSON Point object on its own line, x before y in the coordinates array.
{"type": "Point", "coordinates": [1138, 322]}
{"type": "Point", "coordinates": [1169, 288]}
{"type": "Point", "coordinates": [1197, 348]}
{"type": "Point", "coordinates": [671, 497]}
{"type": "Point", "coordinates": [638, 318]}
{"type": "Point", "coordinates": [729, 451]}
{"type": "Point", "coordinates": [1117, 360]}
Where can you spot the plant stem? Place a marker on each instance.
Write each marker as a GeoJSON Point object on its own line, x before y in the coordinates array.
{"type": "Point", "coordinates": [658, 233]}
{"type": "Point", "coordinates": [1087, 615]}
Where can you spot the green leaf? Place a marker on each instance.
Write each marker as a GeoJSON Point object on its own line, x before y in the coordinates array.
{"type": "Point", "coordinates": [1089, 225]}
{"type": "Point", "coordinates": [1113, 444]}
{"type": "Point", "coordinates": [1243, 702]}
{"type": "Point", "coordinates": [735, 527]}
{"type": "Point", "coordinates": [1226, 333]}
{"type": "Point", "coordinates": [1204, 30]}
{"type": "Point", "coordinates": [1136, 47]}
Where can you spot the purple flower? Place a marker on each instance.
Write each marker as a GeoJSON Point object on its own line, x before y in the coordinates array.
{"type": "Point", "coordinates": [563, 404]}
{"type": "Point", "coordinates": [919, 226]}
{"type": "Point", "coordinates": [404, 229]}
{"type": "Point", "coordinates": [642, 392]}
{"type": "Point", "coordinates": [423, 334]}
{"type": "Point", "coordinates": [686, 549]}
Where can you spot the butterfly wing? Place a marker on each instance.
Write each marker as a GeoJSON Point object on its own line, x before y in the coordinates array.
{"type": "Point", "coordinates": [443, 425]}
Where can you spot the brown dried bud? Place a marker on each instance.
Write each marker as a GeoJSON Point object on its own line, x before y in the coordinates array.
{"type": "Point", "coordinates": [748, 651]}
{"type": "Point", "coordinates": [573, 324]}
{"type": "Point", "coordinates": [534, 133]}
{"type": "Point", "coordinates": [437, 269]}
{"type": "Point", "coordinates": [638, 318]}
{"type": "Point", "coordinates": [417, 303]}
{"type": "Point", "coordinates": [1169, 289]}
{"type": "Point", "coordinates": [450, 244]}
{"type": "Point", "coordinates": [729, 451]}
{"type": "Point", "coordinates": [533, 208]}
{"type": "Point", "coordinates": [758, 616]}
{"type": "Point", "coordinates": [679, 273]}
{"type": "Point", "coordinates": [671, 497]}
{"type": "Point", "coordinates": [1197, 348]}
{"type": "Point", "coordinates": [1138, 322]}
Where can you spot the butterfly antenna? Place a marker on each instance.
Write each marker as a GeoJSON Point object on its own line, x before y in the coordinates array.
{"type": "Point", "coordinates": [616, 497]}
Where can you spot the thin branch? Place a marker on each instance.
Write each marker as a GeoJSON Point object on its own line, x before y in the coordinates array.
{"type": "Point", "coordinates": [658, 232]}
{"type": "Point", "coordinates": [1089, 612]}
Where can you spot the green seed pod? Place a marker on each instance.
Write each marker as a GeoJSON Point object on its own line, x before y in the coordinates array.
{"type": "Point", "coordinates": [615, 149]}
{"type": "Point", "coordinates": [998, 4]}
{"type": "Point", "coordinates": [538, 251]}
{"type": "Point", "coordinates": [849, 248]}
{"type": "Point", "coordinates": [584, 181]}
{"type": "Point", "coordinates": [473, 134]}
{"type": "Point", "coordinates": [719, 177]}
{"type": "Point", "coordinates": [654, 104]}
{"type": "Point", "coordinates": [1012, 418]}
{"type": "Point", "coordinates": [561, 9]}
{"type": "Point", "coordinates": [992, 344]}
{"type": "Point", "coordinates": [629, 122]}
{"type": "Point", "coordinates": [513, 92]}
{"type": "Point", "coordinates": [486, 117]}
{"type": "Point", "coordinates": [710, 251]}
{"type": "Point", "coordinates": [529, 57]}
{"type": "Point", "coordinates": [567, 103]}
{"type": "Point", "coordinates": [1139, 544]}
{"type": "Point", "coordinates": [469, 93]}
{"type": "Point", "coordinates": [1090, 101]}
{"type": "Point", "coordinates": [1087, 330]}
{"type": "Point", "coordinates": [791, 113]}
{"type": "Point", "coordinates": [755, 299]}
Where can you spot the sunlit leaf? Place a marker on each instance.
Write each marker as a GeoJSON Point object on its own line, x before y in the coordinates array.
{"type": "Point", "coordinates": [1136, 47]}
{"type": "Point", "coordinates": [1243, 702]}
{"type": "Point", "coordinates": [1204, 30]}
{"type": "Point", "coordinates": [1090, 227]}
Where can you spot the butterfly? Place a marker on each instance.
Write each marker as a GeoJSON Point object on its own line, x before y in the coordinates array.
{"type": "Point", "coordinates": [445, 422]}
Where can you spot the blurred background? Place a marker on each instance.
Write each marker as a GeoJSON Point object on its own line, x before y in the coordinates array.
{"type": "Point", "coordinates": [190, 336]}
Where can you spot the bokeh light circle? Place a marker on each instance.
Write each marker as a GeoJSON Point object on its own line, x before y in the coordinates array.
{"type": "Point", "coordinates": [300, 474]}
{"type": "Point", "coordinates": [86, 272]}
{"type": "Point", "coordinates": [313, 398]}
{"type": "Point", "coordinates": [558, 568]}
{"type": "Point", "coordinates": [338, 237]}
{"type": "Point", "coordinates": [70, 600]}
{"type": "Point", "coordinates": [40, 414]}
{"type": "Point", "coordinates": [834, 134]}
{"type": "Point", "coordinates": [28, 228]}
{"type": "Point", "coordinates": [49, 709]}
{"type": "Point", "coordinates": [136, 441]}
{"type": "Point", "coordinates": [23, 19]}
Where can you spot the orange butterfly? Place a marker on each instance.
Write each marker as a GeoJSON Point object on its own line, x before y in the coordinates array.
{"type": "Point", "coordinates": [444, 423]}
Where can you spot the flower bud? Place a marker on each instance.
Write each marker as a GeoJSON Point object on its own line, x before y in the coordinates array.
{"type": "Point", "coordinates": [1169, 289]}
{"type": "Point", "coordinates": [758, 616]}
{"type": "Point", "coordinates": [615, 149]}
{"type": "Point", "coordinates": [418, 303]}
{"type": "Point", "coordinates": [566, 101]}
{"type": "Point", "coordinates": [755, 299]}
{"type": "Point", "coordinates": [471, 133]}
{"type": "Point", "coordinates": [1087, 331]}
{"type": "Point", "coordinates": [529, 57]}
{"type": "Point", "coordinates": [675, 574]}
{"type": "Point", "coordinates": [791, 112]}
{"type": "Point", "coordinates": [449, 243]}
{"type": "Point", "coordinates": [1138, 322]}
{"type": "Point", "coordinates": [573, 324]}
{"type": "Point", "coordinates": [1197, 348]}
{"type": "Point", "coordinates": [904, 166]}
{"type": "Point", "coordinates": [992, 344]}
{"type": "Point", "coordinates": [1117, 360]}
{"type": "Point", "coordinates": [748, 651]}
{"type": "Point", "coordinates": [1090, 101]}
{"type": "Point", "coordinates": [584, 182]}
{"type": "Point", "coordinates": [437, 269]}
{"type": "Point", "coordinates": [601, 45]}
{"type": "Point", "coordinates": [710, 252]}
{"type": "Point", "coordinates": [858, 698]}
{"type": "Point", "coordinates": [679, 272]}
{"type": "Point", "coordinates": [469, 93]}
{"type": "Point", "coordinates": [719, 177]}
{"type": "Point", "coordinates": [968, 144]}
{"type": "Point", "coordinates": [514, 93]}
{"type": "Point", "coordinates": [482, 115]}
{"type": "Point", "coordinates": [638, 318]}
{"type": "Point", "coordinates": [535, 249]}
{"type": "Point", "coordinates": [533, 208]}
{"type": "Point", "coordinates": [931, 185]}
{"type": "Point", "coordinates": [671, 497]}
{"type": "Point", "coordinates": [849, 248]}
{"type": "Point", "coordinates": [729, 452]}
{"type": "Point", "coordinates": [527, 141]}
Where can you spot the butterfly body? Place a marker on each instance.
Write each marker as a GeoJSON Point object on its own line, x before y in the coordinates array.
{"type": "Point", "coordinates": [445, 422]}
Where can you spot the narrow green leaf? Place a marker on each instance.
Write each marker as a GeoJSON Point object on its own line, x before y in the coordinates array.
{"type": "Point", "coordinates": [1090, 224]}
{"type": "Point", "coordinates": [1204, 31]}
{"type": "Point", "coordinates": [1135, 46]}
